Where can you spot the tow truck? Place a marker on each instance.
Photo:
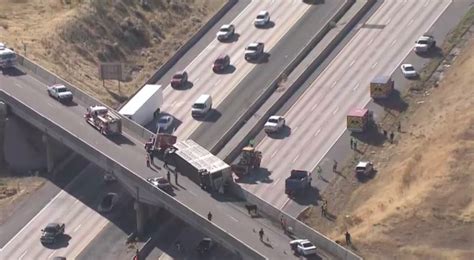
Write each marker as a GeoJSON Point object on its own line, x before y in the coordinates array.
{"type": "Point", "coordinates": [104, 120]}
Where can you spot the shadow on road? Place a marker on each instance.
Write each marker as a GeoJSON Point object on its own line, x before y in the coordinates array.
{"type": "Point", "coordinates": [212, 116]}
{"type": "Point", "coordinates": [314, 2]}
{"type": "Point", "coordinates": [261, 175]}
{"type": "Point", "coordinates": [372, 136]}
{"type": "Point", "coordinates": [61, 242]}
{"type": "Point", "coordinates": [13, 72]}
{"type": "Point", "coordinates": [121, 139]}
{"type": "Point", "coordinates": [393, 102]}
{"type": "Point", "coordinates": [310, 196]}
{"type": "Point", "coordinates": [187, 85]}
{"type": "Point", "coordinates": [284, 132]}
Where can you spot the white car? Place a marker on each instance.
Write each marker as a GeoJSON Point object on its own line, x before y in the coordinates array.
{"type": "Point", "coordinates": [262, 19]}
{"type": "Point", "coordinates": [364, 167]}
{"type": "Point", "coordinates": [274, 124]}
{"type": "Point", "coordinates": [161, 183]}
{"type": "Point", "coordinates": [408, 70]}
{"type": "Point", "coordinates": [164, 122]}
{"type": "Point", "coordinates": [303, 247]}
{"type": "Point", "coordinates": [60, 92]}
{"type": "Point", "coordinates": [225, 32]}
{"type": "Point", "coordinates": [254, 50]}
{"type": "Point", "coordinates": [424, 44]}
{"type": "Point", "coordinates": [108, 202]}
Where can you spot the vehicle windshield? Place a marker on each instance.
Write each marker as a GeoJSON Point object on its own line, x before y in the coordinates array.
{"type": "Point", "coordinates": [50, 229]}
{"type": "Point", "coordinates": [7, 56]}
{"type": "Point", "coordinates": [178, 76]}
{"type": "Point", "coordinates": [422, 42]}
{"type": "Point", "coordinates": [224, 29]}
{"type": "Point", "coordinates": [261, 16]}
{"type": "Point", "coordinates": [306, 245]}
{"type": "Point", "coordinates": [164, 120]}
{"type": "Point", "coordinates": [199, 106]}
{"type": "Point", "coordinates": [360, 168]}
{"type": "Point", "coordinates": [273, 120]}
{"type": "Point", "coordinates": [409, 68]}
{"type": "Point", "coordinates": [252, 48]}
{"type": "Point", "coordinates": [62, 89]}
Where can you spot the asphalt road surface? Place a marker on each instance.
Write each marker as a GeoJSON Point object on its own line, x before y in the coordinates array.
{"type": "Point", "coordinates": [317, 119]}
{"type": "Point", "coordinates": [202, 80]}
{"type": "Point", "coordinates": [72, 206]}
{"type": "Point", "coordinates": [130, 152]}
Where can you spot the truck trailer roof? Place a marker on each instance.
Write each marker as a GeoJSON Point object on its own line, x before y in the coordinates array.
{"type": "Point", "coordinates": [358, 112]}
{"type": "Point", "coordinates": [381, 79]}
{"type": "Point", "coordinates": [140, 98]}
{"type": "Point", "coordinates": [199, 157]}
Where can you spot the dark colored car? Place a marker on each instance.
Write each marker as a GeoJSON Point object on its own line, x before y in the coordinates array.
{"type": "Point", "coordinates": [179, 79]}
{"type": "Point", "coordinates": [205, 246]}
{"type": "Point", "coordinates": [221, 63]}
{"type": "Point", "coordinates": [52, 232]}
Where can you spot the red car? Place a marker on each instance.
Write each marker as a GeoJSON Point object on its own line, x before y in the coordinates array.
{"type": "Point", "coordinates": [179, 79]}
{"type": "Point", "coordinates": [221, 63]}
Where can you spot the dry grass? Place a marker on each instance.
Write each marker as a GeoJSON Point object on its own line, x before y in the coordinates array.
{"type": "Point", "coordinates": [71, 37]}
{"type": "Point", "coordinates": [420, 205]}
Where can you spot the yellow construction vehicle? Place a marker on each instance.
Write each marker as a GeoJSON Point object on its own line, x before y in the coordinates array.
{"type": "Point", "coordinates": [250, 159]}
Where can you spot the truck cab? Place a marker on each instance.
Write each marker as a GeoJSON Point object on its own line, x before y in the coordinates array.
{"type": "Point", "coordinates": [364, 168]}
{"type": "Point", "coordinates": [298, 181]}
{"type": "Point", "coordinates": [424, 44]}
{"type": "Point", "coordinates": [7, 57]}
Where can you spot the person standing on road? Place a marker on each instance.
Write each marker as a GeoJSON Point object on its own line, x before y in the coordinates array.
{"type": "Point", "coordinates": [209, 216]}
{"type": "Point", "coordinates": [352, 142]}
{"type": "Point", "coordinates": [392, 135]}
{"type": "Point", "coordinates": [260, 234]}
{"type": "Point", "coordinates": [176, 178]}
{"type": "Point", "coordinates": [148, 160]}
{"type": "Point", "coordinates": [355, 145]}
{"type": "Point", "coordinates": [168, 175]}
{"type": "Point", "coordinates": [334, 166]}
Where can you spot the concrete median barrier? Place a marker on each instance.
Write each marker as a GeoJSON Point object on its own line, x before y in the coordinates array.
{"type": "Point", "coordinates": [267, 92]}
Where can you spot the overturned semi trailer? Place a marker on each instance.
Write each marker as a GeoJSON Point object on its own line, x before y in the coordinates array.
{"type": "Point", "coordinates": [204, 168]}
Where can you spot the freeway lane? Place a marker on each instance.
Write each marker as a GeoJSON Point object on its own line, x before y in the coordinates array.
{"type": "Point", "coordinates": [317, 119]}
{"type": "Point", "coordinates": [178, 102]}
{"type": "Point", "coordinates": [259, 79]}
{"type": "Point", "coordinates": [130, 153]}
{"type": "Point", "coordinates": [79, 218]}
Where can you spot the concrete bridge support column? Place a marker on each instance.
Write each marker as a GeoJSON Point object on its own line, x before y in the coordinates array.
{"type": "Point", "coordinates": [141, 211]}
{"type": "Point", "coordinates": [49, 153]}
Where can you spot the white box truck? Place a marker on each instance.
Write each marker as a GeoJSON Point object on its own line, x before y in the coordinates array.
{"type": "Point", "coordinates": [141, 107]}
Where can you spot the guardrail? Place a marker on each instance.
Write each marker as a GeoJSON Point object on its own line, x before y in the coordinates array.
{"type": "Point", "coordinates": [267, 92]}
{"type": "Point", "coordinates": [299, 229]}
{"type": "Point", "coordinates": [135, 184]}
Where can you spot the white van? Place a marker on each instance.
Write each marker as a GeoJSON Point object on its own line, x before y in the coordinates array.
{"type": "Point", "coordinates": [202, 106]}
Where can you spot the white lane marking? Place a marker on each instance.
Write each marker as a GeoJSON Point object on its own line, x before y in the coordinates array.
{"type": "Point", "coordinates": [194, 194]}
{"type": "Point", "coordinates": [195, 81]}
{"type": "Point", "coordinates": [49, 104]}
{"type": "Point", "coordinates": [51, 255]}
{"type": "Point", "coordinates": [276, 181]}
{"type": "Point", "coordinates": [234, 219]}
{"type": "Point", "coordinates": [393, 43]}
{"type": "Point", "coordinates": [373, 65]}
{"type": "Point", "coordinates": [217, 82]}
{"type": "Point", "coordinates": [335, 82]}
{"type": "Point", "coordinates": [388, 22]}
{"type": "Point", "coordinates": [18, 85]}
{"type": "Point", "coordinates": [370, 41]}
{"type": "Point", "coordinates": [274, 153]}
{"type": "Point", "coordinates": [314, 107]}
{"type": "Point", "coordinates": [335, 110]}
{"type": "Point", "coordinates": [47, 206]}
{"type": "Point", "coordinates": [411, 21]}
{"type": "Point", "coordinates": [296, 158]}
{"type": "Point", "coordinates": [77, 228]}
{"type": "Point", "coordinates": [352, 63]}
{"type": "Point", "coordinates": [22, 255]}
{"type": "Point", "coordinates": [317, 132]}
{"type": "Point", "coordinates": [355, 87]}
{"type": "Point", "coordinates": [294, 130]}
{"type": "Point", "coordinates": [426, 3]}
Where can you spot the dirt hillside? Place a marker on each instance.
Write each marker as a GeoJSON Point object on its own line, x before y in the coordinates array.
{"type": "Point", "coordinates": [420, 203]}
{"type": "Point", "coordinates": [71, 37]}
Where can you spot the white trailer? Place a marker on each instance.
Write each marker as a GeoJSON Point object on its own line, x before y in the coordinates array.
{"type": "Point", "coordinates": [142, 107]}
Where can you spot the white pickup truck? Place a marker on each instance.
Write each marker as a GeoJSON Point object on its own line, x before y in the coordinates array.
{"type": "Point", "coordinates": [274, 124]}
{"type": "Point", "coordinates": [60, 93]}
